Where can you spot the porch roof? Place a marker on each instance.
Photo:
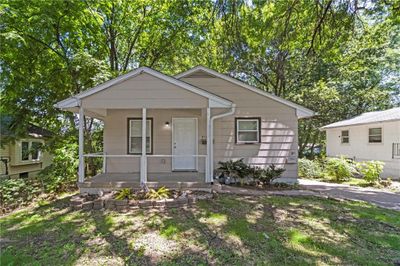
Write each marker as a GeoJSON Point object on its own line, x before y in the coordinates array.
{"type": "Point", "coordinates": [73, 103]}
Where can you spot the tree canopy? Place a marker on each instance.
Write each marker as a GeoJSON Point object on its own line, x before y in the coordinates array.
{"type": "Point", "coordinates": [323, 53]}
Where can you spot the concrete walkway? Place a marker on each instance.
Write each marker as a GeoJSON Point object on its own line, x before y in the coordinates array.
{"type": "Point", "coordinates": [384, 199]}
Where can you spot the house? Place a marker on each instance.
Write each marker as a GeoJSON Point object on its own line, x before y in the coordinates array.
{"type": "Point", "coordinates": [160, 129]}
{"type": "Point", "coordinates": [22, 157]}
{"type": "Point", "coordinates": [370, 136]}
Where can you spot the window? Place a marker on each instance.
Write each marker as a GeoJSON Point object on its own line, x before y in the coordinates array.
{"type": "Point", "coordinates": [135, 136]}
{"type": "Point", "coordinates": [375, 135]}
{"type": "Point", "coordinates": [30, 150]}
{"type": "Point", "coordinates": [35, 150]}
{"type": "Point", "coordinates": [24, 151]}
{"type": "Point", "coordinates": [24, 175]}
{"type": "Point", "coordinates": [247, 130]}
{"type": "Point", "coordinates": [345, 136]}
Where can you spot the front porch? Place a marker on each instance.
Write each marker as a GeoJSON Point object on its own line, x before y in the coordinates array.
{"type": "Point", "coordinates": [174, 180]}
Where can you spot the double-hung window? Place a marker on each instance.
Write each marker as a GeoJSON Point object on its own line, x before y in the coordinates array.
{"type": "Point", "coordinates": [135, 136]}
{"type": "Point", "coordinates": [345, 136]}
{"type": "Point", "coordinates": [375, 135]}
{"type": "Point", "coordinates": [247, 130]}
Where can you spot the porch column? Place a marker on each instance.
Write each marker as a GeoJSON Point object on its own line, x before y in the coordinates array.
{"type": "Point", "coordinates": [209, 140]}
{"type": "Point", "coordinates": [81, 172]}
{"type": "Point", "coordinates": [143, 165]}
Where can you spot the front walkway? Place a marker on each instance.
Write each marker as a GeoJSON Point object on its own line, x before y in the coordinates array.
{"type": "Point", "coordinates": [384, 199]}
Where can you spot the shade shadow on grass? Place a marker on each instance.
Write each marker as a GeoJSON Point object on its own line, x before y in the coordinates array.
{"type": "Point", "coordinates": [229, 230]}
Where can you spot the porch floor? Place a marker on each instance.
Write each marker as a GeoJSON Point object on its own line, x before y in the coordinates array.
{"type": "Point", "coordinates": [175, 180]}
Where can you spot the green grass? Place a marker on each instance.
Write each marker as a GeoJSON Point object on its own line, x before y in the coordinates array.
{"type": "Point", "coordinates": [230, 230]}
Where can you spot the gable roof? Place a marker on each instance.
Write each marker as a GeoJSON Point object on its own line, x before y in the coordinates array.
{"type": "Point", "coordinates": [74, 101]}
{"type": "Point", "coordinates": [301, 111]}
{"type": "Point", "coordinates": [368, 118]}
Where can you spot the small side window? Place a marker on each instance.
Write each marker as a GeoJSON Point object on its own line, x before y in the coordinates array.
{"type": "Point", "coordinates": [345, 136]}
{"type": "Point", "coordinates": [375, 135]}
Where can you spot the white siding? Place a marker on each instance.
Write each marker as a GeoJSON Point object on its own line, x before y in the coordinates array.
{"type": "Point", "coordinates": [116, 138]}
{"type": "Point", "coordinates": [144, 90]}
{"type": "Point", "coordinates": [278, 126]}
{"type": "Point", "coordinates": [359, 148]}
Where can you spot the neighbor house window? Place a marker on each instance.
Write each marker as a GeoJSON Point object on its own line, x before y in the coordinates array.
{"type": "Point", "coordinates": [135, 136]}
{"type": "Point", "coordinates": [345, 136]}
{"type": "Point", "coordinates": [24, 151]}
{"type": "Point", "coordinates": [375, 135]}
{"type": "Point", "coordinates": [247, 130]}
{"type": "Point", "coordinates": [35, 150]}
{"type": "Point", "coordinates": [30, 150]}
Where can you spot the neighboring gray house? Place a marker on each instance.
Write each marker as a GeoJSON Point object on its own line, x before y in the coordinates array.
{"type": "Point", "coordinates": [370, 136]}
{"type": "Point", "coordinates": [157, 127]}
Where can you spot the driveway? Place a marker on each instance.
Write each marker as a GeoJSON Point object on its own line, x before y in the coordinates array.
{"type": "Point", "coordinates": [381, 198]}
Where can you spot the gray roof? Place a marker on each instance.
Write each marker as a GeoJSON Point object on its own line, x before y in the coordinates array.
{"type": "Point", "coordinates": [368, 118]}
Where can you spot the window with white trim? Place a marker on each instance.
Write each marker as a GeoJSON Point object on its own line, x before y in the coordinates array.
{"type": "Point", "coordinates": [247, 130]}
{"type": "Point", "coordinates": [135, 136]}
{"type": "Point", "coordinates": [30, 151]}
{"type": "Point", "coordinates": [345, 136]}
{"type": "Point", "coordinates": [375, 135]}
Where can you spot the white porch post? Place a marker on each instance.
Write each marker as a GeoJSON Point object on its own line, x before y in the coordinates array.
{"type": "Point", "coordinates": [209, 140]}
{"type": "Point", "coordinates": [143, 165]}
{"type": "Point", "coordinates": [81, 172]}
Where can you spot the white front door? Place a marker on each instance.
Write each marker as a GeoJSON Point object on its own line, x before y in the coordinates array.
{"type": "Point", "coordinates": [184, 144]}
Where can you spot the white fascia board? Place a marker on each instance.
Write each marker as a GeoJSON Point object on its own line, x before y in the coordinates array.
{"type": "Point", "coordinates": [74, 101]}
{"type": "Point", "coordinates": [301, 111]}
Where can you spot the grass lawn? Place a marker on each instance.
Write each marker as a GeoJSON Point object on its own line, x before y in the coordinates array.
{"type": "Point", "coordinates": [230, 230]}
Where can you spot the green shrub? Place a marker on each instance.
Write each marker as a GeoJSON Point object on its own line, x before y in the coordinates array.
{"type": "Point", "coordinates": [340, 169]}
{"type": "Point", "coordinates": [371, 170]}
{"type": "Point", "coordinates": [14, 191]}
{"type": "Point", "coordinates": [309, 168]}
{"type": "Point", "coordinates": [125, 193]}
{"type": "Point", "coordinates": [267, 175]}
{"type": "Point", "coordinates": [234, 169]}
{"type": "Point", "coordinates": [61, 175]}
{"type": "Point", "coordinates": [161, 193]}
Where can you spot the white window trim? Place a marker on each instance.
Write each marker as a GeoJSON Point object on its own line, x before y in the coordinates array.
{"type": "Point", "coordinates": [247, 130]}
{"type": "Point", "coordinates": [375, 143]}
{"type": "Point", "coordinates": [148, 129]}
{"type": "Point", "coordinates": [30, 159]}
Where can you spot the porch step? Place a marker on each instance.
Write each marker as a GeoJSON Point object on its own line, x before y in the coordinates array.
{"type": "Point", "coordinates": [125, 184]}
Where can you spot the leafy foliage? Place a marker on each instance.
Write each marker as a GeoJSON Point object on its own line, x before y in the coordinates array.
{"type": "Point", "coordinates": [125, 193]}
{"type": "Point", "coordinates": [14, 191]}
{"type": "Point", "coordinates": [371, 170]}
{"type": "Point", "coordinates": [234, 169]}
{"type": "Point", "coordinates": [161, 193]}
{"type": "Point", "coordinates": [270, 173]}
{"type": "Point", "coordinates": [309, 168]}
{"type": "Point", "coordinates": [61, 175]}
{"type": "Point", "coordinates": [340, 169]}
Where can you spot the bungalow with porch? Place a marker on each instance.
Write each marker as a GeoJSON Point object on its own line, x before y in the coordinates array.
{"type": "Point", "coordinates": [173, 130]}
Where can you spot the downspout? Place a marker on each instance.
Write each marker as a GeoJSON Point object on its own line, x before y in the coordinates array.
{"type": "Point", "coordinates": [211, 163]}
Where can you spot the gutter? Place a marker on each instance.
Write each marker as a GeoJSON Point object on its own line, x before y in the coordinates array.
{"type": "Point", "coordinates": [211, 163]}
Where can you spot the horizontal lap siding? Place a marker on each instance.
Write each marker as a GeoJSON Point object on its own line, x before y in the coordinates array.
{"type": "Point", "coordinates": [144, 90]}
{"type": "Point", "coordinates": [116, 138]}
{"type": "Point", "coordinates": [278, 127]}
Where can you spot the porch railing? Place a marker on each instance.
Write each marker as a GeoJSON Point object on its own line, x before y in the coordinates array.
{"type": "Point", "coordinates": [105, 156]}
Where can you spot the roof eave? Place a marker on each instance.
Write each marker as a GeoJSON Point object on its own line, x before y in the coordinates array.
{"type": "Point", "coordinates": [301, 112]}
